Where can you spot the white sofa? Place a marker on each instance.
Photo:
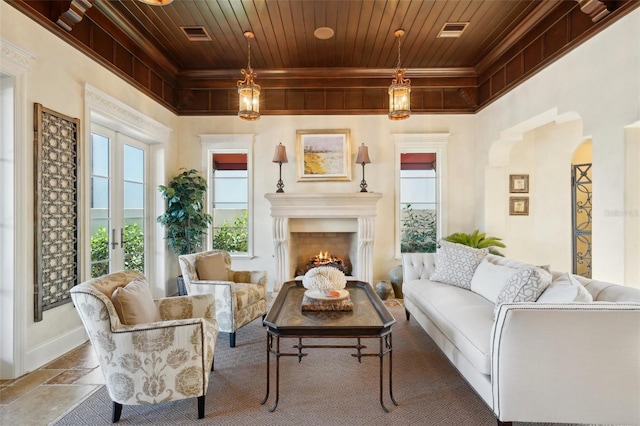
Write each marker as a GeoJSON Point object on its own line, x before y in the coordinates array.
{"type": "Point", "coordinates": [534, 361]}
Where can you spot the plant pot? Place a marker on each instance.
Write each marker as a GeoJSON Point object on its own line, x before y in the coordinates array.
{"type": "Point", "coordinates": [395, 276]}
{"type": "Point", "coordinates": [182, 289]}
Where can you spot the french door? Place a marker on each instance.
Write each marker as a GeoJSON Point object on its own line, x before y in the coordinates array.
{"type": "Point", "coordinates": [118, 202]}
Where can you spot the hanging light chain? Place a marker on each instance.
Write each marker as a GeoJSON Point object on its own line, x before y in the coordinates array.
{"type": "Point", "coordinates": [398, 66]}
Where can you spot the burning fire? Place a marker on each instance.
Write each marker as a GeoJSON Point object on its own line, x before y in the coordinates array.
{"type": "Point", "coordinates": [323, 258]}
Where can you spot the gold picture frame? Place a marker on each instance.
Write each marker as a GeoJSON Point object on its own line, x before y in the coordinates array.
{"type": "Point", "coordinates": [323, 155]}
{"type": "Point", "coordinates": [518, 184]}
{"type": "Point", "coordinates": [518, 206]}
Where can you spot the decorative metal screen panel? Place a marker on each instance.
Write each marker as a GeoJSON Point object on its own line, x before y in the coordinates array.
{"type": "Point", "coordinates": [56, 206]}
{"type": "Point", "coordinates": [581, 197]}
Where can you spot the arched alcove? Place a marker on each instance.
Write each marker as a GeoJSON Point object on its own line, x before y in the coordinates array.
{"type": "Point", "coordinates": [543, 149]}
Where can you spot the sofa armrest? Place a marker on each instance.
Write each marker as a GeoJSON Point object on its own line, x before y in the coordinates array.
{"type": "Point", "coordinates": [416, 266]}
{"type": "Point", "coordinates": [575, 363]}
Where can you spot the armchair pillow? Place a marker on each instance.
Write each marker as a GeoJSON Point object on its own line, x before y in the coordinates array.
{"type": "Point", "coordinates": [456, 263]}
{"type": "Point", "coordinates": [565, 289]}
{"type": "Point", "coordinates": [211, 267]}
{"type": "Point", "coordinates": [134, 303]}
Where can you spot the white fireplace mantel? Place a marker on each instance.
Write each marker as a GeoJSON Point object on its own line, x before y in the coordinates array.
{"type": "Point", "coordinates": [360, 206]}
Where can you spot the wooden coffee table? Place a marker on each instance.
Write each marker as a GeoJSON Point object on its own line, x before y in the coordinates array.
{"type": "Point", "coordinates": [370, 318]}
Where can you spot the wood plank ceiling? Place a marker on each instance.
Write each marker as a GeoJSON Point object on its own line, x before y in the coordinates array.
{"type": "Point", "coordinates": [504, 42]}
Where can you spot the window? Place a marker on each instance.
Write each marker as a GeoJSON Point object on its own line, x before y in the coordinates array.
{"type": "Point", "coordinates": [418, 202]}
{"type": "Point", "coordinates": [420, 162]}
{"type": "Point", "coordinates": [228, 164]}
{"type": "Point", "coordinates": [229, 202]}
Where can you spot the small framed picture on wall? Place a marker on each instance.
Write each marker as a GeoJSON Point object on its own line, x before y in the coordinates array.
{"type": "Point", "coordinates": [518, 184]}
{"type": "Point", "coordinates": [518, 206]}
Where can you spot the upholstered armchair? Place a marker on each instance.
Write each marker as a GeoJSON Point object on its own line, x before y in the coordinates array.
{"type": "Point", "coordinates": [241, 296]}
{"type": "Point", "coordinates": [166, 359]}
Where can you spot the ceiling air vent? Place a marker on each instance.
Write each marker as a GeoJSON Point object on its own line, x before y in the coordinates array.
{"type": "Point", "coordinates": [196, 33]}
{"type": "Point", "coordinates": [452, 29]}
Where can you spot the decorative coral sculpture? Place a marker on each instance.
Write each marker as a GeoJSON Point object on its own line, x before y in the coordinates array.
{"type": "Point", "coordinates": [324, 278]}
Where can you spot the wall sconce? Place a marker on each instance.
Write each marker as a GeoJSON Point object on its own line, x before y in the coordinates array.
{"type": "Point", "coordinates": [280, 156]}
{"type": "Point", "coordinates": [248, 91]}
{"type": "Point", "coordinates": [363, 158]}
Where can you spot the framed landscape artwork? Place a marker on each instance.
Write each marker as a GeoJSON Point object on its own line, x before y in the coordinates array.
{"type": "Point", "coordinates": [323, 155]}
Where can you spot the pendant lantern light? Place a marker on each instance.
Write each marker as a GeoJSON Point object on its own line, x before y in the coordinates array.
{"type": "Point", "coordinates": [248, 91]}
{"type": "Point", "coordinates": [400, 89]}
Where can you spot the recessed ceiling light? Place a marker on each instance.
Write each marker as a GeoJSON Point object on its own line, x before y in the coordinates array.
{"type": "Point", "coordinates": [323, 33]}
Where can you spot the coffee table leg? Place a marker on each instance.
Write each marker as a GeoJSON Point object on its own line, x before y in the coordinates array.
{"type": "Point", "coordinates": [269, 346]}
{"type": "Point", "coordinates": [386, 346]}
{"type": "Point", "coordinates": [390, 346]}
{"type": "Point", "coordinates": [275, 404]}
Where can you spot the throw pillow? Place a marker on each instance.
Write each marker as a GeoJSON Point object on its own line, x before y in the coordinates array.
{"type": "Point", "coordinates": [565, 289]}
{"type": "Point", "coordinates": [134, 303]}
{"type": "Point", "coordinates": [456, 264]}
{"type": "Point", "coordinates": [526, 285]}
{"type": "Point", "coordinates": [211, 267]}
{"type": "Point", "coordinates": [489, 279]}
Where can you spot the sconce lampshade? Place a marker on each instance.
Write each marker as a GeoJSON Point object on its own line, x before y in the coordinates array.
{"type": "Point", "coordinates": [363, 155]}
{"type": "Point", "coordinates": [280, 155]}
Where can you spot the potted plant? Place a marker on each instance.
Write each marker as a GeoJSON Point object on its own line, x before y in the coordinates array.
{"type": "Point", "coordinates": [477, 240]}
{"type": "Point", "coordinates": [185, 220]}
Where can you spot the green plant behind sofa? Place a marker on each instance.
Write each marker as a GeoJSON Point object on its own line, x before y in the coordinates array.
{"type": "Point", "coordinates": [477, 240]}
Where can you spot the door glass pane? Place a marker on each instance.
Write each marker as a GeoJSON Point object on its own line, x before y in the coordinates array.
{"type": "Point", "coordinates": [99, 205]}
{"type": "Point", "coordinates": [134, 213]}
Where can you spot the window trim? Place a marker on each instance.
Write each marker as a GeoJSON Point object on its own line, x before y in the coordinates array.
{"type": "Point", "coordinates": [422, 143]}
{"type": "Point", "coordinates": [230, 144]}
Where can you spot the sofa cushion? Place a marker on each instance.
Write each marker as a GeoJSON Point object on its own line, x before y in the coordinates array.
{"type": "Point", "coordinates": [134, 303]}
{"type": "Point", "coordinates": [524, 286]}
{"type": "Point", "coordinates": [565, 289]}
{"type": "Point", "coordinates": [211, 267]}
{"type": "Point", "coordinates": [456, 264]}
{"type": "Point", "coordinates": [466, 318]}
{"type": "Point", "coordinates": [489, 279]}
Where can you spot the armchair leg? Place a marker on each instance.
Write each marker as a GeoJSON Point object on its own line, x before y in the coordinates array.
{"type": "Point", "coordinates": [201, 407]}
{"type": "Point", "coordinates": [232, 340]}
{"type": "Point", "coordinates": [213, 362]}
{"type": "Point", "coordinates": [406, 312]}
{"type": "Point", "coordinates": [501, 423]}
{"type": "Point", "coordinates": [117, 411]}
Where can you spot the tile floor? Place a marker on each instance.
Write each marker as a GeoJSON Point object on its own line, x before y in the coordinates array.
{"type": "Point", "coordinates": [40, 397]}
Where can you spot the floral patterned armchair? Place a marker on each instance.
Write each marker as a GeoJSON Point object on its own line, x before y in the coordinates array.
{"type": "Point", "coordinates": [240, 298]}
{"type": "Point", "coordinates": [166, 360]}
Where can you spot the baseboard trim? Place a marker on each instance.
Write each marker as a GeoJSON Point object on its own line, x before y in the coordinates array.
{"type": "Point", "coordinates": [48, 351]}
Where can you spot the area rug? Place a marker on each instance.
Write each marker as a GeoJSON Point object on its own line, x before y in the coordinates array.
{"type": "Point", "coordinates": [328, 387]}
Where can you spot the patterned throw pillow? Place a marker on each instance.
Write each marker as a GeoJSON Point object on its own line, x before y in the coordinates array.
{"type": "Point", "coordinates": [524, 286]}
{"type": "Point", "coordinates": [456, 264]}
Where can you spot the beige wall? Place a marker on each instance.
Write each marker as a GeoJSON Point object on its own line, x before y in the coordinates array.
{"type": "Point", "coordinates": [375, 132]}
{"type": "Point", "coordinates": [55, 77]}
{"type": "Point", "coordinates": [595, 86]}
